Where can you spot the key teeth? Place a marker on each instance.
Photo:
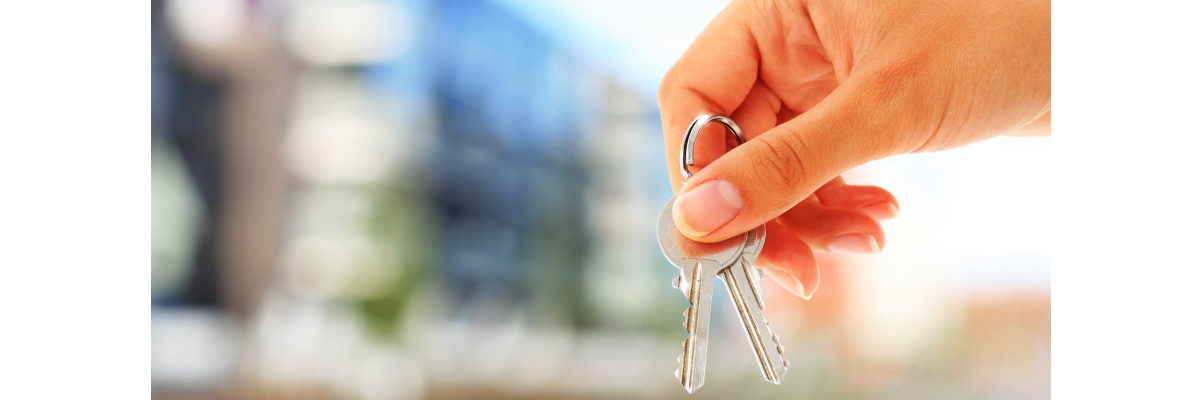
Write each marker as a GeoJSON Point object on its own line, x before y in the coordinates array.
{"type": "Point", "coordinates": [683, 344]}
{"type": "Point", "coordinates": [778, 346]}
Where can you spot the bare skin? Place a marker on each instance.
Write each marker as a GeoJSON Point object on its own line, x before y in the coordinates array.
{"type": "Point", "coordinates": [822, 86]}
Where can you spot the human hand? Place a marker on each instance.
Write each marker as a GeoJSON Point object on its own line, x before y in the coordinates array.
{"type": "Point", "coordinates": [822, 86]}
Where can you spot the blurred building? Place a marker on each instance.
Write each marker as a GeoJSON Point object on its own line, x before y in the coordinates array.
{"type": "Point", "coordinates": [377, 199]}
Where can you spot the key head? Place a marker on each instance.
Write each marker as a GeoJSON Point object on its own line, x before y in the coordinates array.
{"type": "Point", "coordinates": [681, 251]}
{"type": "Point", "coordinates": [755, 240]}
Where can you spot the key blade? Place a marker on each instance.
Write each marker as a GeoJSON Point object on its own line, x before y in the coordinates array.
{"type": "Point", "coordinates": [696, 319]}
{"type": "Point", "coordinates": [747, 299]}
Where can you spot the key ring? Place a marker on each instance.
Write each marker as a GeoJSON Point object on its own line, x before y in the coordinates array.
{"type": "Point", "coordinates": [688, 147]}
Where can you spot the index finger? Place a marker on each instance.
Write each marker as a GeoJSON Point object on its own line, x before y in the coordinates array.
{"type": "Point", "coordinates": [714, 75]}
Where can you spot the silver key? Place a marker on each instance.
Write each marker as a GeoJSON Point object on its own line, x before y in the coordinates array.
{"type": "Point", "coordinates": [699, 264]}
{"type": "Point", "coordinates": [733, 261]}
{"type": "Point", "coordinates": [744, 290]}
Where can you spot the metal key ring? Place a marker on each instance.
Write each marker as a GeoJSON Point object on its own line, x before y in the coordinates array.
{"type": "Point", "coordinates": [688, 147]}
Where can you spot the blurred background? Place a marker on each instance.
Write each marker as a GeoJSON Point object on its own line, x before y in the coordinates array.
{"type": "Point", "coordinates": [407, 199]}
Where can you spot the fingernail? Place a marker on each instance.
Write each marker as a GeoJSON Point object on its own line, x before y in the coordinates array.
{"type": "Point", "coordinates": [881, 211]}
{"type": "Point", "coordinates": [707, 207]}
{"type": "Point", "coordinates": [798, 287]}
{"type": "Point", "coordinates": [800, 290]}
{"type": "Point", "coordinates": [854, 243]}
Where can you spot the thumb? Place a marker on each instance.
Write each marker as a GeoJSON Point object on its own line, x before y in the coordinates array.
{"type": "Point", "coordinates": [768, 175]}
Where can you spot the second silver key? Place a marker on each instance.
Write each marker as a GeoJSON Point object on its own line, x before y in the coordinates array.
{"type": "Point", "coordinates": [744, 290]}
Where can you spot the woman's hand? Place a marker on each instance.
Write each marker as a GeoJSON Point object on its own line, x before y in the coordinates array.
{"type": "Point", "coordinates": [822, 86]}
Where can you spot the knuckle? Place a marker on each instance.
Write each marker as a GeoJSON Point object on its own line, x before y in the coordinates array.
{"type": "Point", "coordinates": [667, 85]}
{"type": "Point", "coordinates": [663, 88]}
{"type": "Point", "coordinates": [782, 163]}
{"type": "Point", "coordinates": [907, 101]}
{"type": "Point", "coordinates": [894, 81]}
